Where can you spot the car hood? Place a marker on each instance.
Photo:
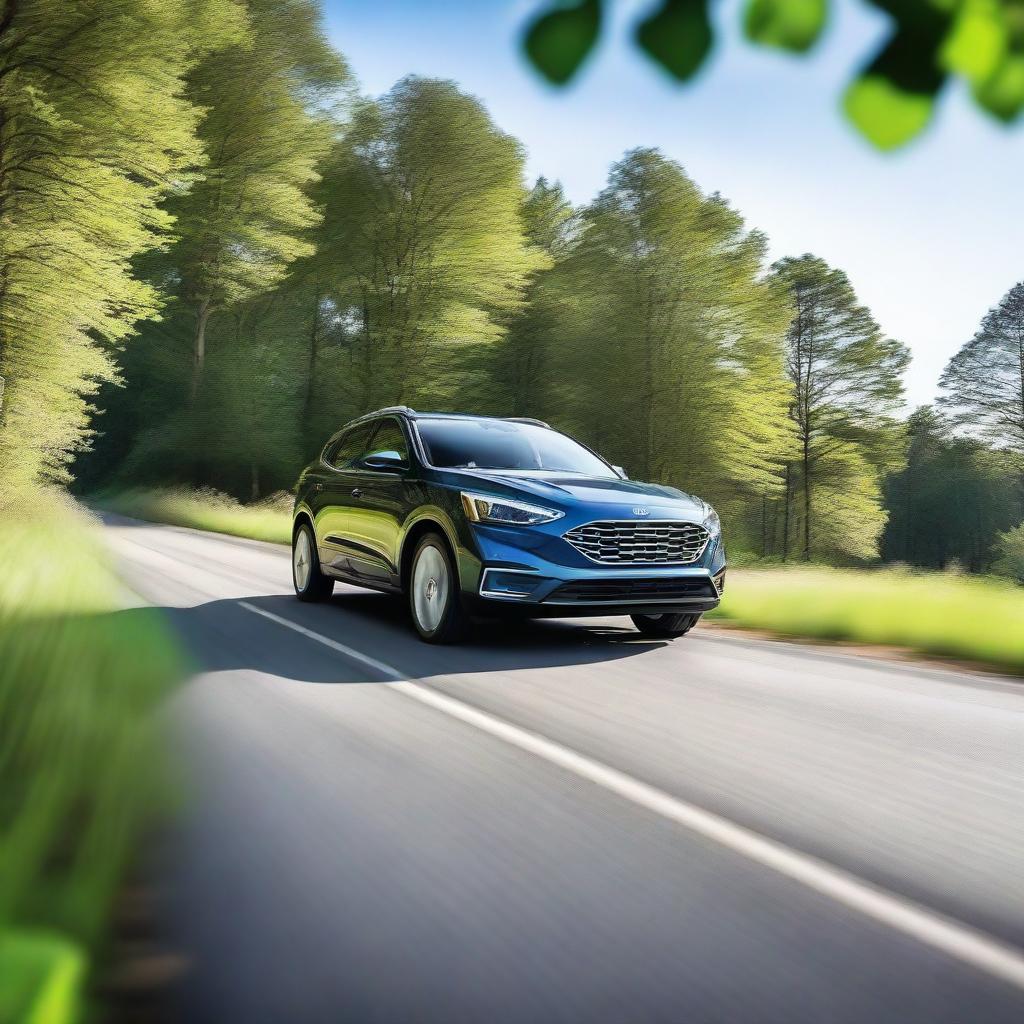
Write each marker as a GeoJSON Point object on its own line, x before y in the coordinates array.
{"type": "Point", "coordinates": [595, 490]}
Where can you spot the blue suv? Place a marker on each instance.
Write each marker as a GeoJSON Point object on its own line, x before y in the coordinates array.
{"type": "Point", "coordinates": [477, 516]}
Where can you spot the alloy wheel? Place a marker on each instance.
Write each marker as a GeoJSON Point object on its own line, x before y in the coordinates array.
{"type": "Point", "coordinates": [431, 588]}
{"type": "Point", "coordinates": [301, 560]}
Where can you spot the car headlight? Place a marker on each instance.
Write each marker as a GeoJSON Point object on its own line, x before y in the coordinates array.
{"type": "Point", "coordinates": [480, 508]}
{"type": "Point", "coordinates": [712, 523]}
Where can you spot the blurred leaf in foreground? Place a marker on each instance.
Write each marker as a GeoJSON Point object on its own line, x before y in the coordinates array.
{"type": "Point", "coordinates": [787, 24]}
{"type": "Point", "coordinates": [976, 42]}
{"type": "Point", "coordinates": [677, 36]}
{"type": "Point", "coordinates": [558, 42]}
{"type": "Point", "coordinates": [892, 100]}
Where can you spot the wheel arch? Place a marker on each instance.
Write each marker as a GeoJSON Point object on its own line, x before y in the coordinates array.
{"type": "Point", "coordinates": [413, 535]}
{"type": "Point", "coordinates": [303, 516]}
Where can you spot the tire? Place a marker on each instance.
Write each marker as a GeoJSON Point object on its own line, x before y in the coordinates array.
{"type": "Point", "coordinates": [435, 603]}
{"type": "Point", "coordinates": [309, 581]}
{"type": "Point", "coordinates": [669, 626]}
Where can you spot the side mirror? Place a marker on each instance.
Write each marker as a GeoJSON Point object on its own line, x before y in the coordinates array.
{"type": "Point", "coordinates": [388, 462]}
{"type": "Point", "coordinates": [621, 472]}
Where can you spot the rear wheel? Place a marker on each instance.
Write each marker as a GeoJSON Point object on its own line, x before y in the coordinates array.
{"type": "Point", "coordinates": [669, 626]}
{"type": "Point", "coordinates": [310, 583]}
{"type": "Point", "coordinates": [434, 600]}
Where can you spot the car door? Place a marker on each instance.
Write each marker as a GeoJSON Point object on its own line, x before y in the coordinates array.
{"type": "Point", "coordinates": [374, 518]}
{"type": "Point", "coordinates": [336, 497]}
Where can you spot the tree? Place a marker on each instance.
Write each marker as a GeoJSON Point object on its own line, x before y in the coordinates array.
{"type": "Point", "coordinates": [950, 500]}
{"type": "Point", "coordinates": [891, 100]}
{"type": "Point", "coordinates": [983, 383]}
{"type": "Point", "coordinates": [264, 131]}
{"type": "Point", "coordinates": [846, 388]}
{"type": "Point", "coordinates": [668, 340]}
{"type": "Point", "coordinates": [521, 373]}
{"type": "Point", "coordinates": [424, 236]}
{"type": "Point", "coordinates": [95, 129]}
{"type": "Point", "coordinates": [1010, 548]}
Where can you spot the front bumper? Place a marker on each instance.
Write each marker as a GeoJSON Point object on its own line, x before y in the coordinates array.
{"type": "Point", "coordinates": [512, 576]}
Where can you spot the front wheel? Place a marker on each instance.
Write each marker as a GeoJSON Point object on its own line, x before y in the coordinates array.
{"type": "Point", "coordinates": [310, 582]}
{"type": "Point", "coordinates": [669, 626]}
{"type": "Point", "coordinates": [434, 600]}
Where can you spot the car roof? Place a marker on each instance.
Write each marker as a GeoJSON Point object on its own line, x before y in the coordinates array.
{"type": "Point", "coordinates": [412, 414]}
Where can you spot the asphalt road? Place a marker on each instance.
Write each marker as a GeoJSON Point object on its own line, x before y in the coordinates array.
{"type": "Point", "coordinates": [564, 822]}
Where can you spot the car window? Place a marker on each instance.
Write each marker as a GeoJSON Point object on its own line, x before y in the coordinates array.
{"type": "Point", "coordinates": [505, 445]}
{"type": "Point", "coordinates": [351, 446]}
{"type": "Point", "coordinates": [389, 438]}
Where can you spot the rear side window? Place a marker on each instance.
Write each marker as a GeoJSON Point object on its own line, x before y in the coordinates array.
{"type": "Point", "coordinates": [389, 438]}
{"type": "Point", "coordinates": [350, 447]}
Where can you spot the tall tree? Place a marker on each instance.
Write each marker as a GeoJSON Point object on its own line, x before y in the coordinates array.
{"type": "Point", "coordinates": [264, 131]}
{"type": "Point", "coordinates": [522, 381]}
{"type": "Point", "coordinates": [95, 129]}
{"type": "Point", "coordinates": [424, 232]}
{"type": "Point", "coordinates": [846, 388]}
{"type": "Point", "coordinates": [668, 343]}
{"type": "Point", "coordinates": [983, 384]}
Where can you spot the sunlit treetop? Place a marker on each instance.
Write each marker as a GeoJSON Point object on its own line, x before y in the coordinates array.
{"type": "Point", "coordinates": [892, 97]}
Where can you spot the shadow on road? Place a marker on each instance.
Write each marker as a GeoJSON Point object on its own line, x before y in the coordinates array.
{"type": "Point", "coordinates": [224, 635]}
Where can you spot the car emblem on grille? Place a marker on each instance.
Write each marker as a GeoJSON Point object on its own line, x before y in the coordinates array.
{"type": "Point", "coordinates": [641, 512]}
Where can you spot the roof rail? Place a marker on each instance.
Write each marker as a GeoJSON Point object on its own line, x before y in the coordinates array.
{"type": "Point", "coordinates": [401, 409]}
{"type": "Point", "coordinates": [527, 419]}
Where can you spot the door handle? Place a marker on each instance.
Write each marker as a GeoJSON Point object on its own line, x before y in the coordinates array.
{"type": "Point", "coordinates": [318, 487]}
{"type": "Point", "coordinates": [356, 492]}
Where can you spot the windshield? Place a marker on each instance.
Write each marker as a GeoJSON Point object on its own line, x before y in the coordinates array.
{"type": "Point", "coordinates": [499, 444]}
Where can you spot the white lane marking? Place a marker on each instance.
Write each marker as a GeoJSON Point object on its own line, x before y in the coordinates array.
{"type": "Point", "coordinates": [957, 940]}
{"type": "Point", "coordinates": [349, 652]}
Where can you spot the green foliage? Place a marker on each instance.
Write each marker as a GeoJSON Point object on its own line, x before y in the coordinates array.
{"type": "Point", "coordinates": [892, 99]}
{"type": "Point", "coordinates": [1010, 551]}
{"type": "Point", "coordinates": [886, 114]}
{"type": "Point", "coordinates": [263, 133]}
{"type": "Point", "coordinates": [95, 128]}
{"type": "Point", "coordinates": [950, 501]}
{"type": "Point", "coordinates": [269, 519]}
{"type": "Point", "coordinates": [423, 249]}
{"type": "Point", "coordinates": [521, 379]}
{"type": "Point", "coordinates": [787, 24]}
{"type": "Point", "coordinates": [654, 319]}
{"type": "Point", "coordinates": [939, 614]}
{"type": "Point", "coordinates": [559, 41]}
{"type": "Point", "coordinates": [40, 978]}
{"type": "Point", "coordinates": [79, 767]}
{"type": "Point", "coordinates": [677, 36]}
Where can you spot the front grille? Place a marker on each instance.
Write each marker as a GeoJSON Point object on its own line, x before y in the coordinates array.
{"type": "Point", "coordinates": [589, 591]}
{"type": "Point", "coordinates": [626, 542]}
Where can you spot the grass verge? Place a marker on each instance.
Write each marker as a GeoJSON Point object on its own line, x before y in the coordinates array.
{"type": "Point", "coordinates": [269, 520]}
{"type": "Point", "coordinates": [80, 776]}
{"type": "Point", "coordinates": [970, 618]}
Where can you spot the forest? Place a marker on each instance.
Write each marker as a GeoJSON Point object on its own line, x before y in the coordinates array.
{"type": "Point", "coordinates": [214, 250]}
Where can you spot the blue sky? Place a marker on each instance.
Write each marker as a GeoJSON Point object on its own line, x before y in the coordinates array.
{"type": "Point", "coordinates": [929, 237]}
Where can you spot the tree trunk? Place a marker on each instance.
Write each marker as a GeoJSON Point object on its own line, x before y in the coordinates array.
{"type": "Point", "coordinates": [785, 512]}
{"type": "Point", "coordinates": [311, 365]}
{"type": "Point", "coordinates": [807, 504]}
{"type": "Point", "coordinates": [254, 480]}
{"type": "Point", "coordinates": [199, 350]}
{"type": "Point", "coordinates": [764, 525]}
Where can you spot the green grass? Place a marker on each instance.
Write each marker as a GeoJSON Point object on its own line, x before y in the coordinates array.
{"type": "Point", "coordinates": [80, 772]}
{"type": "Point", "coordinates": [269, 520]}
{"type": "Point", "coordinates": [941, 614]}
